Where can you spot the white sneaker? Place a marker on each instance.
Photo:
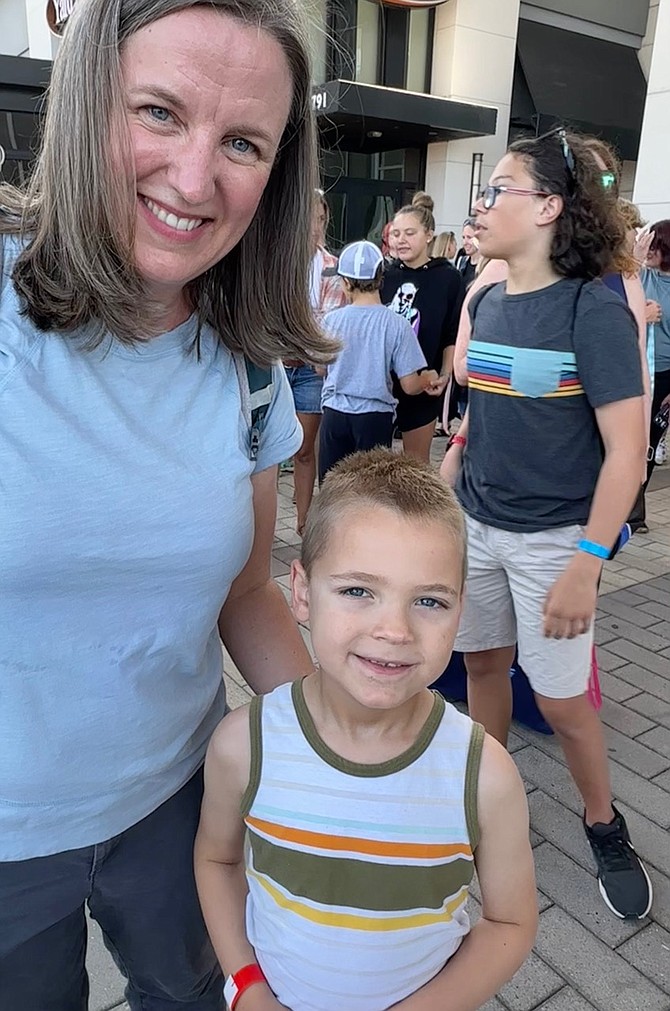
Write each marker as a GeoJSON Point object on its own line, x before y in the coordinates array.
{"type": "Point", "coordinates": [661, 455]}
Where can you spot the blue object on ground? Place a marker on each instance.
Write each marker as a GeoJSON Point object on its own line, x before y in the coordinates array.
{"type": "Point", "coordinates": [453, 685]}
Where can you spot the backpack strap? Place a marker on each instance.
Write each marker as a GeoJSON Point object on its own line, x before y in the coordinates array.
{"type": "Point", "coordinates": [478, 298]}
{"type": "Point", "coordinates": [256, 391]}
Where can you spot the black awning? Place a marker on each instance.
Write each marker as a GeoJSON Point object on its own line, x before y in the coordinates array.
{"type": "Point", "coordinates": [367, 117]}
{"type": "Point", "coordinates": [593, 85]}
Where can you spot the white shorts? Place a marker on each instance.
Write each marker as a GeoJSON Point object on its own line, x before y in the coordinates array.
{"type": "Point", "coordinates": [509, 576]}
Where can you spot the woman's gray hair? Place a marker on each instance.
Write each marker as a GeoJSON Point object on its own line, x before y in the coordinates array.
{"type": "Point", "coordinates": [78, 213]}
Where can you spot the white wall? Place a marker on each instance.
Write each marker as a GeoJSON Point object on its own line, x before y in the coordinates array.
{"type": "Point", "coordinates": [473, 61]}
{"type": "Point", "coordinates": [13, 28]}
{"type": "Point", "coordinates": [645, 52]}
{"type": "Point", "coordinates": [652, 182]}
{"type": "Point", "coordinates": [42, 44]}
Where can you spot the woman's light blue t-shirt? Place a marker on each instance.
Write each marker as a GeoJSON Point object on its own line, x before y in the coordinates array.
{"type": "Point", "coordinates": [657, 288]}
{"type": "Point", "coordinates": [126, 514]}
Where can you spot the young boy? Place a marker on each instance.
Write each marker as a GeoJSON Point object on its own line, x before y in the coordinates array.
{"type": "Point", "coordinates": [344, 815]}
{"type": "Point", "coordinates": [357, 399]}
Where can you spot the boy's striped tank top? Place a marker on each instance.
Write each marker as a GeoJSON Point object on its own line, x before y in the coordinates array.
{"type": "Point", "coordinates": [358, 874]}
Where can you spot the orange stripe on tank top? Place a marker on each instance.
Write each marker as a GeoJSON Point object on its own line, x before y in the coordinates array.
{"type": "Point", "coordinates": [373, 847]}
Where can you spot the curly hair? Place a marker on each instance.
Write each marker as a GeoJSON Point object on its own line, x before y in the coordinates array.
{"type": "Point", "coordinates": [590, 232]}
{"type": "Point", "coordinates": [608, 156]}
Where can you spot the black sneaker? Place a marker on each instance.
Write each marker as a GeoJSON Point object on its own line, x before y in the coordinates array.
{"type": "Point", "coordinates": [623, 881]}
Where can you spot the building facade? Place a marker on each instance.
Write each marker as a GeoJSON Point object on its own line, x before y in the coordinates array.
{"type": "Point", "coordinates": [427, 95]}
{"type": "Point", "coordinates": [531, 64]}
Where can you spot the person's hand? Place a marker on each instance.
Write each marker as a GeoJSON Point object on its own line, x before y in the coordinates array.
{"type": "Point", "coordinates": [430, 379]}
{"type": "Point", "coordinates": [451, 465]}
{"type": "Point", "coordinates": [570, 605]}
{"type": "Point", "coordinates": [653, 312]}
{"type": "Point", "coordinates": [642, 245]}
{"type": "Point", "coordinates": [434, 383]}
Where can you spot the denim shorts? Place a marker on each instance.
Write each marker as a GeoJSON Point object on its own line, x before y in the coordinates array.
{"type": "Point", "coordinates": [306, 386]}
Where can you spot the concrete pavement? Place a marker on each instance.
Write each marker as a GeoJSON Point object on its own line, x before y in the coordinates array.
{"type": "Point", "coordinates": [585, 959]}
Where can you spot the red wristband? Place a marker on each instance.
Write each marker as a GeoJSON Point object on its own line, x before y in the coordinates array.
{"type": "Point", "coordinates": [240, 981]}
{"type": "Point", "coordinates": [458, 440]}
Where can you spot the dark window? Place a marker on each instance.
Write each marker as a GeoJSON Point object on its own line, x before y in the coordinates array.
{"type": "Point", "coordinates": [19, 138]}
{"type": "Point", "coordinates": [376, 44]}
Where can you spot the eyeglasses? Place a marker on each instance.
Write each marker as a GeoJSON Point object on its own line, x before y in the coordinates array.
{"type": "Point", "coordinates": [491, 194]}
{"type": "Point", "coordinates": [568, 155]}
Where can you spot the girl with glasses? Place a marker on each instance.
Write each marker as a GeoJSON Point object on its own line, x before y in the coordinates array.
{"type": "Point", "coordinates": [551, 464]}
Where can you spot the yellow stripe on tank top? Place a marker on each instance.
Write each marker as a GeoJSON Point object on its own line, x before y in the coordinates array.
{"type": "Point", "coordinates": [354, 921]}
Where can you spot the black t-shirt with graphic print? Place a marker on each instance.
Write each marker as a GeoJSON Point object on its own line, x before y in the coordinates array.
{"type": "Point", "coordinates": [430, 298]}
{"type": "Point", "coordinates": [539, 364]}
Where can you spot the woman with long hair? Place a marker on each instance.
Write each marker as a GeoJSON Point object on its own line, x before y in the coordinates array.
{"type": "Point", "coordinates": [444, 246]}
{"type": "Point", "coordinates": [326, 294]}
{"type": "Point", "coordinates": [428, 292]}
{"type": "Point", "coordinates": [551, 464]}
{"type": "Point", "coordinates": [656, 283]}
{"type": "Point", "coordinates": [153, 273]}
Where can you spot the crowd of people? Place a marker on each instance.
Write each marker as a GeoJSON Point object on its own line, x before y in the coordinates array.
{"type": "Point", "coordinates": [172, 328]}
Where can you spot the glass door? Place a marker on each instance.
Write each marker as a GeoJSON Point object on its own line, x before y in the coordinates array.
{"type": "Point", "coordinates": [359, 208]}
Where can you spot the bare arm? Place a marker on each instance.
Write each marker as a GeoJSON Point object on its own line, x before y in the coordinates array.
{"type": "Point", "coordinates": [256, 623]}
{"type": "Point", "coordinates": [493, 272]}
{"type": "Point", "coordinates": [500, 942]}
{"type": "Point", "coordinates": [219, 854]}
{"type": "Point", "coordinates": [453, 458]}
{"type": "Point", "coordinates": [571, 602]}
{"type": "Point", "coordinates": [448, 361]}
{"type": "Point", "coordinates": [637, 303]}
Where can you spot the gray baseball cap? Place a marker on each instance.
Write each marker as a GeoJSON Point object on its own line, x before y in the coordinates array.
{"type": "Point", "coordinates": [360, 261]}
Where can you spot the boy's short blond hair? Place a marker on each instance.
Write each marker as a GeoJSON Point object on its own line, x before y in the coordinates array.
{"type": "Point", "coordinates": [394, 481]}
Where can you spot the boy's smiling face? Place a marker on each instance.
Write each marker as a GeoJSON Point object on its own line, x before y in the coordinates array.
{"type": "Point", "coordinates": [383, 602]}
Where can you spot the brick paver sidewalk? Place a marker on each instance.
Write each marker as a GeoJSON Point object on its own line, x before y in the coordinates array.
{"type": "Point", "coordinates": [585, 958]}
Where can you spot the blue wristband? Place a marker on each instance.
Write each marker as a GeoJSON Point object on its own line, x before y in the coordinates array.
{"type": "Point", "coordinates": [591, 548]}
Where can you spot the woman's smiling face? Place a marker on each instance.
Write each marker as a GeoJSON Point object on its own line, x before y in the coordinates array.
{"type": "Point", "coordinates": [207, 100]}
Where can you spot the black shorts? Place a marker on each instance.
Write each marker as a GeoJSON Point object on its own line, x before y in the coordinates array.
{"type": "Point", "coordinates": [415, 412]}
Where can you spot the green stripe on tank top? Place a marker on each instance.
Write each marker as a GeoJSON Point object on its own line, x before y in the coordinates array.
{"type": "Point", "coordinates": [256, 754]}
{"type": "Point", "coordinates": [359, 884]}
{"type": "Point", "coordinates": [472, 783]}
{"type": "Point", "coordinates": [403, 761]}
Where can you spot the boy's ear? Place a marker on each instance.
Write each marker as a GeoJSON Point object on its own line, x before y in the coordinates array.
{"type": "Point", "coordinates": [299, 591]}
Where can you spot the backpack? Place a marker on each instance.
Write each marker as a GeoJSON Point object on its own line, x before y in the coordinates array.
{"type": "Point", "coordinates": [256, 391]}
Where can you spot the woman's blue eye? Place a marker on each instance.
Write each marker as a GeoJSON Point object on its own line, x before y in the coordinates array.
{"type": "Point", "coordinates": [241, 145]}
{"type": "Point", "coordinates": [159, 113]}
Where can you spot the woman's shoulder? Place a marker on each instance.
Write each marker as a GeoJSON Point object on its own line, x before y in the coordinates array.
{"type": "Point", "coordinates": [19, 337]}
{"type": "Point", "coordinates": [12, 245]}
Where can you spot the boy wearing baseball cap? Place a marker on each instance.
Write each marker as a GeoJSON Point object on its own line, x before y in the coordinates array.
{"type": "Point", "coordinates": [357, 399]}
